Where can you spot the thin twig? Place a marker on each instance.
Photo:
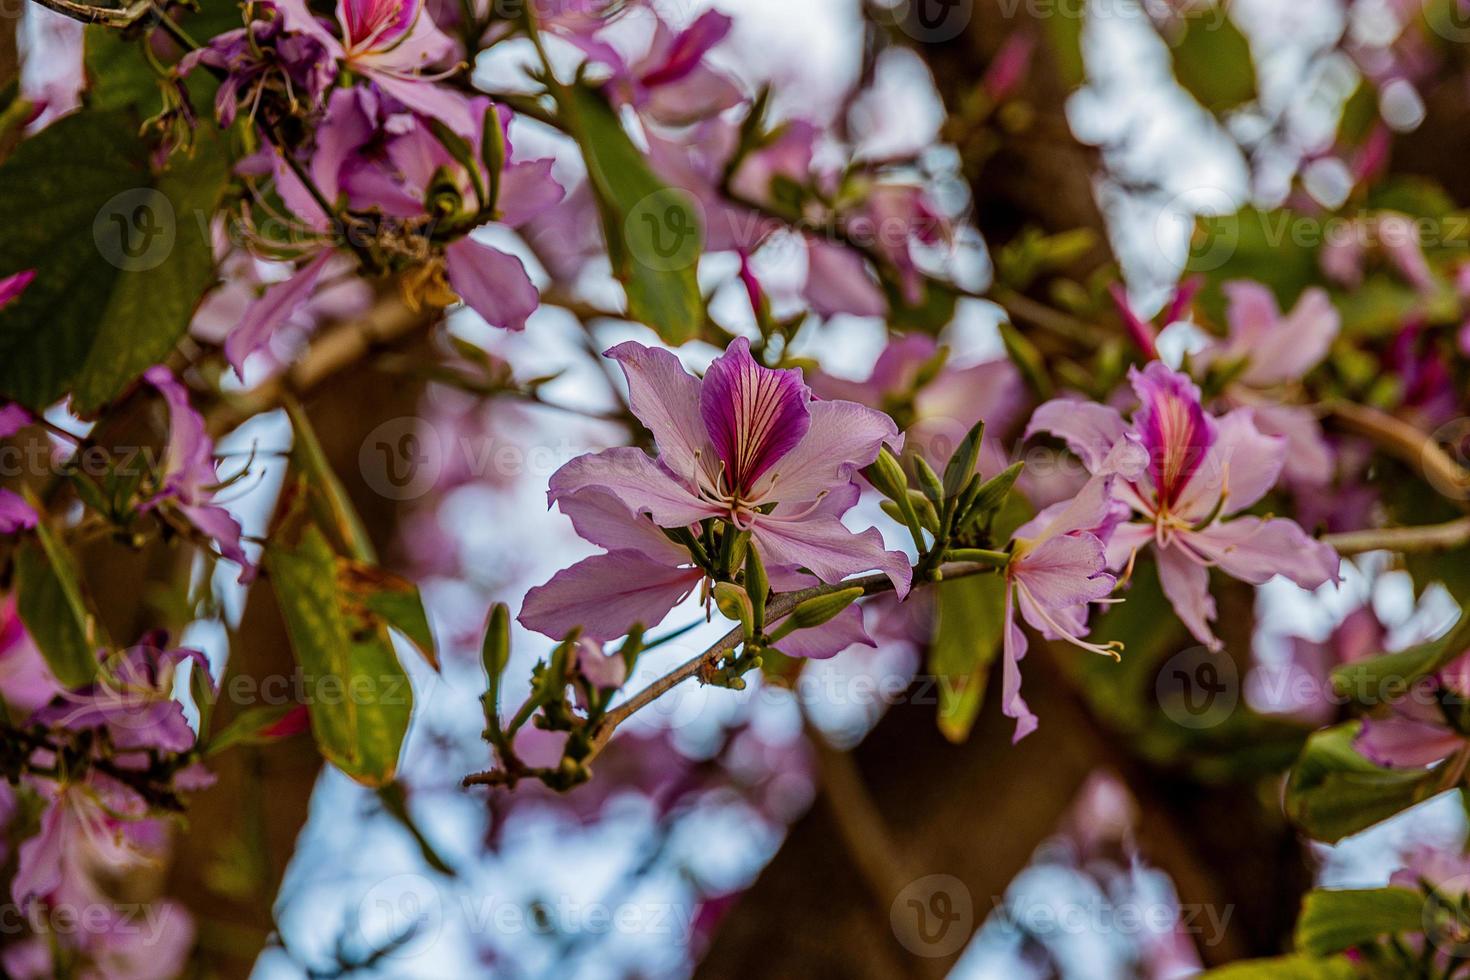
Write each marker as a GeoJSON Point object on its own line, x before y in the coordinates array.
{"type": "Point", "coordinates": [1411, 540]}
{"type": "Point", "coordinates": [779, 607]}
{"type": "Point", "coordinates": [1409, 443]}
{"type": "Point", "coordinates": [87, 13]}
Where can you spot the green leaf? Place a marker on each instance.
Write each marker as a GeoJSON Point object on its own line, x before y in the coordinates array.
{"type": "Point", "coordinates": [1275, 248]}
{"type": "Point", "coordinates": [967, 640]}
{"type": "Point", "coordinates": [1333, 921]}
{"type": "Point", "coordinates": [1212, 60]}
{"type": "Point", "coordinates": [359, 697]}
{"type": "Point", "coordinates": [1298, 967]}
{"type": "Point", "coordinates": [1388, 676]}
{"type": "Point", "coordinates": [1333, 791]}
{"type": "Point", "coordinates": [122, 257]}
{"type": "Point", "coordinates": [654, 232]}
{"type": "Point", "coordinates": [393, 599]}
{"type": "Point", "coordinates": [49, 600]}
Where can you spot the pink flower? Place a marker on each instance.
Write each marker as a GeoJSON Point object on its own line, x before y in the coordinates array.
{"type": "Point", "coordinates": [396, 45]}
{"type": "Point", "coordinates": [1201, 471]}
{"type": "Point", "coordinates": [745, 446]}
{"type": "Point", "coordinates": [399, 180]}
{"type": "Point", "coordinates": [1277, 351]}
{"type": "Point", "coordinates": [26, 682]}
{"type": "Point", "coordinates": [189, 477]}
{"type": "Point", "coordinates": [671, 83]}
{"type": "Point", "coordinates": [132, 699]}
{"type": "Point", "coordinates": [1058, 568]}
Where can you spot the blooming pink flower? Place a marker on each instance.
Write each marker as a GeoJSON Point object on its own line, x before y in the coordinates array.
{"type": "Point", "coordinates": [670, 83]}
{"type": "Point", "coordinates": [1277, 351]}
{"type": "Point", "coordinates": [1058, 568]}
{"type": "Point", "coordinates": [1202, 471]}
{"type": "Point", "coordinates": [398, 180]}
{"type": "Point", "coordinates": [132, 699]}
{"type": "Point", "coordinates": [189, 476]}
{"type": "Point", "coordinates": [395, 44]}
{"type": "Point", "coordinates": [746, 445]}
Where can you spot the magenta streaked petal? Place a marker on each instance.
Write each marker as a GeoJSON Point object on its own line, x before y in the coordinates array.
{"type": "Point", "coordinates": [1254, 550]}
{"type": "Point", "coordinates": [606, 595]}
{"type": "Point", "coordinates": [843, 437]}
{"type": "Point", "coordinates": [1241, 466]}
{"type": "Point", "coordinates": [11, 287]}
{"type": "Point", "coordinates": [1186, 584]}
{"type": "Point", "coordinates": [831, 551]}
{"type": "Point", "coordinates": [666, 399]}
{"type": "Point", "coordinates": [688, 48]}
{"type": "Point", "coordinates": [754, 415]}
{"type": "Point", "coordinates": [1173, 426]}
{"type": "Point", "coordinates": [376, 23]}
{"type": "Point", "coordinates": [635, 479]}
{"type": "Point", "coordinates": [492, 283]}
{"type": "Point", "coordinates": [843, 631]}
{"type": "Point", "coordinates": [1405, 743]}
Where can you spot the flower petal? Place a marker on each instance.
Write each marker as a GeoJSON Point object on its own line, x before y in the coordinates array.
{"type": "Point", "coordinates": [1405, 743]}
{"type": "Point", "coordinates": [831, 638]}
{"type": "Point", "coordinates": [1173, 426]}
{"type": "Point", "coordinates": [635, 479]}
{"type": "Point", "coordinates": [526, 190]}
{"type": "Point", "coordinates": [1253, 550]}
{"type": "Point", "coordinates": [1013, 650]}
{"type": "Point", "coordinates": [1090, 430]}
{"type": "Point", "coordinates": [843, 437]}
{"type": "Point", "coordinates": [831, 551]}
{"type": "Point", "coordinates": [1186, 583]}
{"type": "Point", "coordinates": [838, 281]}
{"type": "Point", "coordinates": [606, 595]}
{"type": "Point", "coordinates": [493, 283]}
{"type": "Point", "coordinates": [754, 415]}
{"type": "Point", "coordinates": [273, 310]}
{"type": "Point", "coordinates": [604, 520]}
{"type": "Point", "coordinates": [1242, 465]}
{"type": "Point", "coordinates": [15, 513]}
{"type": "Point", "coordinates": [665, 398]}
